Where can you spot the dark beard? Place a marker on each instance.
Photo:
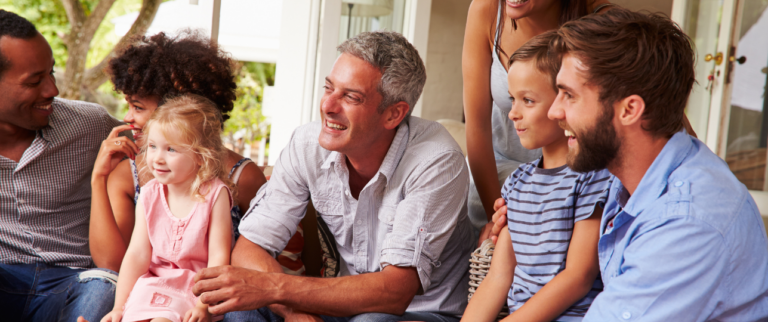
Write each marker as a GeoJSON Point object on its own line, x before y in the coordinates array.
{"type": "Point", "coordinates": [598, 147]}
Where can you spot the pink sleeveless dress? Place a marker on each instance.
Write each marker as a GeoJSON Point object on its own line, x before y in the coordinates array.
{"type": "Point", "coordinates": [179, 251]}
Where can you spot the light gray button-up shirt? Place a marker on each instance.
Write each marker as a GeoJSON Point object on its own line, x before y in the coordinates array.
{"type": "Point", "coordinates": [411, 214]}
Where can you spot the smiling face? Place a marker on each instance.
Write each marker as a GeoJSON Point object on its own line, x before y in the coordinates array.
{"type": "Point", "coordinates": [27, 88]}
{"type": "Point", "coordinates": [351, 121]}
{"type": "Point", "coordinates": [170, 162]}
{"type": "Point", "coordinates": [139, 111]}
{"type": "Point", "coordinates": [532, 94]}
{"type": "Point", "coordinates": [516, 9]}
{"type": "Point", "coordinates": [592, 140]}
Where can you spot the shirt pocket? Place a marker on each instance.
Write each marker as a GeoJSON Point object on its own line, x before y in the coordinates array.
{"type": "Point", "coordinates": [332, 213]}
{"type": "Point", "coordinates": [387, 218]}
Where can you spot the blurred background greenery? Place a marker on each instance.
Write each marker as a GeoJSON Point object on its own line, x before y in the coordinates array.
{"type": "Point", "coordinates": [246, 125]}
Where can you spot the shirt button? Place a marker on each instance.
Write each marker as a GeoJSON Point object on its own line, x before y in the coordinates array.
{"type": "Point", "coordinates": [678, 184]}
{"type": "Point", "coordinates": [626, 315]}
{"type": "Point", "coordinates": [346, 192]}
{"type": "Point", "coordinates": [178, 237]}
{"type": "Point", "coordinates": [359, 222]}
{"type": "Point", "coordinates": [181, 224]}
{"type": "Point", "coordinates": [21, 200]}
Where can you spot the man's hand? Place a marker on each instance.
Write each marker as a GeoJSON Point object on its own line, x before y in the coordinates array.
{"type": "Point", "coordinates": [485, 233]}
{"type": "Point", "coordinates": [227, 288]}
{"type": "Point", "coordinates": [499, 219]}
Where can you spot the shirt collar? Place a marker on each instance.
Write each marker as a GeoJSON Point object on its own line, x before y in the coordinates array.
{"type": "Point", "coordinates": [654, 182]}
{"type": "Point", "coordinates": [48, 132]}
{"type": "Point", "coordinates": [391, 160]}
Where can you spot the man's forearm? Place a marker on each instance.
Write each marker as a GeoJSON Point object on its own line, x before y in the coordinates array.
{"type": "Point", "coordinates": [389, 291]}
{"type": "Point", "coordinates": [248, 255]}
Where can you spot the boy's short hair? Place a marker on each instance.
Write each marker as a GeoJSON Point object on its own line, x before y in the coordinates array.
{"type": "Point", "coordinates": [537, 50]}
{"type": "Point", "coordinates": [629, 53]}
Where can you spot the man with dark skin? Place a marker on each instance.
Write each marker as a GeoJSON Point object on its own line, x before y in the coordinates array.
{"type": "Point", "coordinates": [392, 189]}
{"type": "Point", "coordinates": [45, 161]}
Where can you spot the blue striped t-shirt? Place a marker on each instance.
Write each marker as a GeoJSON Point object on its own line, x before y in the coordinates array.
{"type": "Point", "coordinates": [543, 205]}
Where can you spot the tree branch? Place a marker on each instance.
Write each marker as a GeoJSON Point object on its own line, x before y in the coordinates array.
{"type": "Point", "coordinates": [97, 16]}
{"type": "Point", "coordinates": [76, 17]}
{"type": "Point", "coordinates": [95, 76]}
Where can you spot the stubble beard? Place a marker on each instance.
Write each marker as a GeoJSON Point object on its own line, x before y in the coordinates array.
{"type": "Point", "coordinates": [597, 147]}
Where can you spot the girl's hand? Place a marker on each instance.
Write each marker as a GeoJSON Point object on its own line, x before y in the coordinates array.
{"type": "Point", "coordinates": [112, 150]}
{"type": "Point", "coordinates": [199, 313]}
{"type": "Point", "coordinates": [114, 316]}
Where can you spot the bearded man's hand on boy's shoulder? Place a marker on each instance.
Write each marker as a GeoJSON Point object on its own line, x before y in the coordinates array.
{"type": "Point", "coordinates": [499, 218]}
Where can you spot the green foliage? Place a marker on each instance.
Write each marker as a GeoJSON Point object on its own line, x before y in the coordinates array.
{"type": "Point", "coordinates": [50, 19]}
{"type": "Point", "coordinates": [246, 116]}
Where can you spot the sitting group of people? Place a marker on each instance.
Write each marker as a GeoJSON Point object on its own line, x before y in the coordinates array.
{"type": "Point", "coordinates": [619, 214]}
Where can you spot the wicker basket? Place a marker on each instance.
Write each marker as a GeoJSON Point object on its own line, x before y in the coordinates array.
{"type": "Point", "coordinates": [479, 265]}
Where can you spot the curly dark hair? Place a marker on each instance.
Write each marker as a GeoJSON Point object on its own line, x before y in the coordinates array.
{"type": "Point", "coordinates": [168, 67]}
{"type": "Point", "coordinates": [13, 25]}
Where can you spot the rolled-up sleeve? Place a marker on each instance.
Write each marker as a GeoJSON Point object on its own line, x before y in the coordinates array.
{"type": "Point", "coordinates": [279, 206]}
{"type": "Point", "coordinates": [434, 199]}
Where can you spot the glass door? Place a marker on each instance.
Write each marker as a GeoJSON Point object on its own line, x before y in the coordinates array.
{"type": "Point", "coordinates": [747, 127]}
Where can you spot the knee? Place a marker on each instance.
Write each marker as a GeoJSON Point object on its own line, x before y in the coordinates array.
{"type": "Point", "coordinates": [99, 281]}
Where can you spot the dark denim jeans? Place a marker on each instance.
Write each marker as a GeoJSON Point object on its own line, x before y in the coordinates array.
{"type": "Point", "coordinates": [265, 315]}
{"type": "Point", "coordinates": [40, 292]}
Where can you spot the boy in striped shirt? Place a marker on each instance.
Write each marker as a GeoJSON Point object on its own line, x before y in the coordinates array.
{"type": "Point", "coordinates": [545, 265]}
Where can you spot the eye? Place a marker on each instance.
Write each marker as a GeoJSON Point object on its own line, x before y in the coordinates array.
{"type": "Point", "coordinates": [327, 88]}
{"type": "Point", "coordinates": [352, 98]}
{"type": "Point", "coordinates": [528, 100]}
{"type": "Point", "coordinates": [170, 149]}
{"type": "Point", "coordinates": [152, 146]}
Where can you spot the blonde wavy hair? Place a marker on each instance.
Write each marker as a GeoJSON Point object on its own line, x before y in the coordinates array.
{"type": "Point", "coordinates": [198, 123]}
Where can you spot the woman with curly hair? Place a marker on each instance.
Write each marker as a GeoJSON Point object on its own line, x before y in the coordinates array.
{"type": "Point", "coordinates": [149, 72]}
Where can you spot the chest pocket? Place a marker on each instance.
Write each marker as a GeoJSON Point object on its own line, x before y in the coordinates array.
{"type": "Point", "coordinates": [332, 212]}
{"type": "Point", "coordinates": [387, 217]}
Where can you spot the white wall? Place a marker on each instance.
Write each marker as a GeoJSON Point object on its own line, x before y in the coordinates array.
{"type": "Point", "coordinates": [442, 96]}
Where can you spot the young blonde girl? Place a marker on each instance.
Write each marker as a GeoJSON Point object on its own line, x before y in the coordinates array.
{"type": "Point", "coordinates": [182, 217]}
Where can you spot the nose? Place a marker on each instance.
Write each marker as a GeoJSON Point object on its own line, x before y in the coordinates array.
{"type": "Point", "coordinates": [556, 111]}
{"type": "Point", "coordinates": [514, 112]}
{"type": "Point", "coordinates": [128, 118]}
{"type": "Point", "coordinates": [330, 104]}
{"type": "Point", "coordinates": [50, 90]}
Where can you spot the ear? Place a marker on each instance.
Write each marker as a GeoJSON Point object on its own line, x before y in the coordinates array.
{"type": "Point", "coordinates": [630, 110]}
{"type": "Point", "coordinates": [394, 114]}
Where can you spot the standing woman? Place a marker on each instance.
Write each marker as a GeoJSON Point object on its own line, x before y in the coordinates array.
{"type": "Point", "coordinates": [149, 72]}
{"type": "Point", "coordinates": [496, 29]}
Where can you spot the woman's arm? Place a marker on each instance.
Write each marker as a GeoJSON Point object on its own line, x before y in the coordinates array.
{"type": "Point", "coordinates": [476, 70]}
{"type": "Point", "coordinates": [251, 179]}
{"type": "Point", "coordinates": [112, 217]}
{"type": "Point", "coordinates": [581, 270]}
{"type": "Point", "coordinates": [136, 261]}
{"type": "Point", "coordinates": [492, 293]}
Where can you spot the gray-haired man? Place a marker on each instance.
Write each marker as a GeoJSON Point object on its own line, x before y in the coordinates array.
{"type": "Point", "coordinates": [391, 188]}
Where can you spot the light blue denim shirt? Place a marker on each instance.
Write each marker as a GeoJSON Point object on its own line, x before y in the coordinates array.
{"type": "Point", "coordinates": [689, 245]}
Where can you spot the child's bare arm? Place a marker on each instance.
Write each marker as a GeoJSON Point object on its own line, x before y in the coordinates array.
{"type": "Point", "coordinates": [220, 231]}
{"type": "Point", "coordinates": [581, 269]}
{"type": "Point", "coordinates": [219, 248]}
{"type": "Point", "coordinates": [490, 296]}
{"type": "Point", "coordinates": [136, 261]}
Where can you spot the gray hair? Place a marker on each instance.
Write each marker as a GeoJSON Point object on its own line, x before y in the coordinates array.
{"type": "Point", "coordinates": [402, 71]}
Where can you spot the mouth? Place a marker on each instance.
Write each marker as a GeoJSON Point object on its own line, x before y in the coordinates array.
{"type": "Point", "coordinates": [335, 126]}
{"type": "Point", "coordinates": [136, 132]}
{"type": "Point", "coordinates": [516, 3]}
{"type": "Point", "coordinates": [571, 137]}
{"type": "Point", "coordinates": [45, 108]}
